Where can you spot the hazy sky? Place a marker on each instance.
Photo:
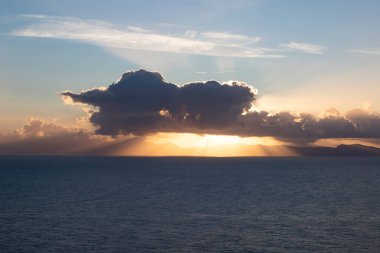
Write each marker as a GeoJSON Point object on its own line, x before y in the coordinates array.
{"type": "Point", "coordinates": [302, 56]}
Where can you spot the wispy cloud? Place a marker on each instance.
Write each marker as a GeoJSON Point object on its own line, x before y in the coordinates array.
{"type": "Point", "coordinates": [230, 37]}
{"type": "Point", "coordinates": [304, 47]}
{"type": "Point", "coordinates": [217, 72]}
{"type": "Point", "coordinates": [108, 35]}
{"type": "Point", "coordinates": [371, 51]}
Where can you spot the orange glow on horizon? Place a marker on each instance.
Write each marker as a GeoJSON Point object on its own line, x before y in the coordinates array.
{"type": "Point", "coordinates": [189, 140]}
{"type": "Point", "coordinates": [186, 144]}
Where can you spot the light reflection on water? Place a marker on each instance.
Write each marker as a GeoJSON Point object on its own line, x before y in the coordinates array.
{"type": "Point", "coordinates": [89, 204]}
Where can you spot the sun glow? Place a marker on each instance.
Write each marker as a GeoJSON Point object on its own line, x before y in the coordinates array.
{"type": "Point", "coordinates": [188, 140]}
{"type": "Point", "coordinates": [187, 144]}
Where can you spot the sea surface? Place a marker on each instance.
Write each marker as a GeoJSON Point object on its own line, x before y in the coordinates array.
{"type": "Point", "coordinates": [100, 204]}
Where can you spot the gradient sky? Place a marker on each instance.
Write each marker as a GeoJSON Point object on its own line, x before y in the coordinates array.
{"type": "Point", "coordinates": [302, 56]}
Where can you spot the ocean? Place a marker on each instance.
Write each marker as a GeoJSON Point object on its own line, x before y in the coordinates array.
{"type": "Point", "coordinates": [125, 204]}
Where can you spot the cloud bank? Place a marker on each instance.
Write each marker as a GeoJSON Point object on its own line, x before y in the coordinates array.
{"type": "Point", "coordinates": [41, 137]}
{"type": "Point", "coordinates": [142, 102]}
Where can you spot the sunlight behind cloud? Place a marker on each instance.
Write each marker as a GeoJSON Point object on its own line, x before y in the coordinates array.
{"type": "Point", "coordinates": [187, 144]}
{"type": "Point", "coordinates": [189, 140]}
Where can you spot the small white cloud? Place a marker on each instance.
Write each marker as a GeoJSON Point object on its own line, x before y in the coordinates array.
{"type": "Point", "coordinates": [230, 36]}
{"type": "Point", "coordinates": [191, 33]}
{"type": "Point", "coordinates": [138, 29]}
{"type": "Point", "coordinates": [304, 47]}
{"type": "Point", "coordinates": [370, 51]}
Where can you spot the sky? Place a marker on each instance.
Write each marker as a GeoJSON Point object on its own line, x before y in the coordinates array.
{"type": "Point", "coordinates": [317, 58]}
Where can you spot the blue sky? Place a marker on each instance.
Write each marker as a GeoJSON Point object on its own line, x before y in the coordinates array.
{"type": "Point", "coordinates": [300, 55]}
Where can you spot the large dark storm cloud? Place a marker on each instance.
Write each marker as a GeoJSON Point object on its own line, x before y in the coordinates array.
{"type": "Point", "coordinates": [143, 102]}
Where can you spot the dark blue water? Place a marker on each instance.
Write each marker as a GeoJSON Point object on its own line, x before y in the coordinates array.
{"type": "Point", "coordinates": [89, 204]}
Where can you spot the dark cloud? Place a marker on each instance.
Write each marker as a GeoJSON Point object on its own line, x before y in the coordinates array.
{"type": "Point", "coordinates": [367, 124]}
{"type": "Point", "coordinates": [143, 102]}
{"type": "Point", "coordinates": [306, 127]}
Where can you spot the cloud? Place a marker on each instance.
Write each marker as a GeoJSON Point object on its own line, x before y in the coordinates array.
{"type": "Point", "coordinates": [142, 102]}
{"type": "Point", "coordinates": [108, 35]}
{"type": "Point", "coordinates": [304, 47]}
{"type": "Point", "coordinates": [105, 34]}
{"type": "Point", "coordinates": [369, 51]}
{"type": "Point", "coordinates": [223, 36]}
{"type": "Point", "coordinates": [41, 137]}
